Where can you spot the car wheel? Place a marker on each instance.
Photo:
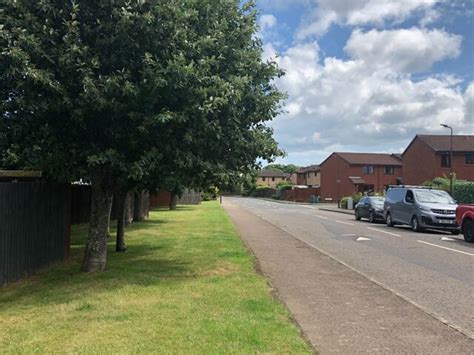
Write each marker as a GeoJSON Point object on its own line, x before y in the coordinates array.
{"type": "Point", "coordinates": [415, 226]}
{"type": "Point", "coordinates": [371, 217]}
{"type": "Point", "coordinates": [468, 231]}
{"type": "Point", "coordinates": [356, 215]}
{"type": "Point", "coordinates": [389, 220]}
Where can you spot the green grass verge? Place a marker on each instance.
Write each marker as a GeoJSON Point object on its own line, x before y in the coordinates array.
{"type": "Point", "coordinates": [186, 285]}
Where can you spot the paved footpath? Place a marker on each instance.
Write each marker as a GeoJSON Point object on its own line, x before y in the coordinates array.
{"type": "Point", "coordinates": [339, 310]}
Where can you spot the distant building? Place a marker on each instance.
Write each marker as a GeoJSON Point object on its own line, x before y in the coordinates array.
{"type": "Point", "coordinates": [271, 177]}
{"type": "Point", "coordinates": [343, 174]}
{"type": "Point", "coordinates": [428, 157]}
{"type": "Point", "coordinates": [309, 175]}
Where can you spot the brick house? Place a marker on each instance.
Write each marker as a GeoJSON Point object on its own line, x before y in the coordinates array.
{"type": "Point", "coordinates": [343, 174]}
{"type": "Point", "coordinates": [428, 157]}
{"type": "Point", "coordinates": [271, 177]}
{"type": "Point", "coordinates": [309, 175]}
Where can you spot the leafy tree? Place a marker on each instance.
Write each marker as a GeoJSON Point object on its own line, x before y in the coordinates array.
{"type": "Point", "coordinates": [288, 168]}
{"type": "Point", "coordinates": [134, 93]}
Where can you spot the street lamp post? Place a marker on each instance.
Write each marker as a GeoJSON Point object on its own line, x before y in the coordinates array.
{"type": "Point", "coordinates": [450, 159]}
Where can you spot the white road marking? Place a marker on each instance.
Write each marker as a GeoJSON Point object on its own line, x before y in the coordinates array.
{"type": "Point", "coordinates": [348, 235]}
{"type": "Point", "coordinates": [382, 231]}
{"type": "Point", "coordinates": [447, 239]}
{"type": "Point", "coordinates": [439, 246]}
{"type": "Point", "coordinates": [362, 238]}
{"type": "Point", "coordinates": [315, 215]}
{"type": "Point", "coordinates": [342, 222]}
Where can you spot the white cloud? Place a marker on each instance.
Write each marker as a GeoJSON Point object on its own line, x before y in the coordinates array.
{"type": "Point", "coordinates": [267, 21]}
{"type": "Point", "coordinates": [403, 50]}
{"type": "Point", "coordinates": [469, 107]}
{"type": "Point", "coordinates": [359, 12]}
{"type": "Point", "coordinates": [370, 99]}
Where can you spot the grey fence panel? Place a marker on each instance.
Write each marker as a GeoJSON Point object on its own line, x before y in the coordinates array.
{"type": "Point", "coordinates": [34, 227]}
{"type": "Point", "coordinates": [190, 198]}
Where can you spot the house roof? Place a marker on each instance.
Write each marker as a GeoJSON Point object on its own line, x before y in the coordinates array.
{"type": "Point", "coordinates": [357, 180]}
{"type": "Point", "coordinates": [442, 143]}
{"type": "Point", "coordinates": [367, 159]}
{"type": "Point", "coordinates": [272, 173]}
{"type": "Point", "coordinates": [309, 168]}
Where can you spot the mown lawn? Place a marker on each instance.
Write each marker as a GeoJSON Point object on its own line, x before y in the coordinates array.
{"type": "Point", "coordinates": [185, 285]}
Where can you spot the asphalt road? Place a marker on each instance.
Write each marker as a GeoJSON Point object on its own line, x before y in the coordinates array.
{"type": "Point", "coordinates": [432, 270]}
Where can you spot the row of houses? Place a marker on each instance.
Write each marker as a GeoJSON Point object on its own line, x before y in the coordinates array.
{"type": "Point", "coordinates": [342, 174]}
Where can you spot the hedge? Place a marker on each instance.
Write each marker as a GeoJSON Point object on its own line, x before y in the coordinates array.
{"type": "Point", "coordinates": [463, 192]}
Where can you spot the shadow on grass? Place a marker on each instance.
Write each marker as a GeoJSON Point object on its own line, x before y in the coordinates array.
{"type": "Point", "coordinates": [145, 264]}
{"type": "Point", "coordinates": [178, 208]}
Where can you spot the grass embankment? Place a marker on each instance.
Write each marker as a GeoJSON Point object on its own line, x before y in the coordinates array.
{"type": "Point", "coordinates": [187, 284]}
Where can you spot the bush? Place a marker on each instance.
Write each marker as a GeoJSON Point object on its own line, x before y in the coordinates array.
{"type": "Point", "coordinates": [264, 191]}
{"type": "Point", "coordinates": [463, 192]}
{"type": "Point", "coordinates": [355, 199]}
{"type": "Point", "coordinates": [285, 187]}
{"type": "Point", "coordinates": [344, 202]}
{"type": "Point", "coordinates": [283, 183]}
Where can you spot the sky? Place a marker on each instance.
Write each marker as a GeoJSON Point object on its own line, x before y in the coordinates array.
{"type": "Point", "coordinates": [368, 75]}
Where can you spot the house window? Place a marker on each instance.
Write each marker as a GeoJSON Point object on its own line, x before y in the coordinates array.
{"type": "Point", "coordinates": [445, 161]}
{"type": "Point", "coordinates": [273, 178]}
{"type": "Point", "coordinates": [388, 170]}
{"type": "Point", "coordinates": [263, 178]}
{"type": "Point", "coordinates": [368, 169]}
{"type": "Point", "coordinates": [469, 158]}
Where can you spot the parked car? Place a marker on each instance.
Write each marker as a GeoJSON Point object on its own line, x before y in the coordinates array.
{"type": "Point", "coordinates": [465, 219]}
{"type": "Point", "coordinates": [420, 207]}
{"type": "Point", "coordinates": [370, 207]}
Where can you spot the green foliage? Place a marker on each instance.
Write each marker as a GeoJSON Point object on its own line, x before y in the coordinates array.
{"type": "Point", "coordinates": [264, 191]}
{"type": "Point", "coordinates": [132, 90]}
{"type": "Point", "coordinates": [344, 202]}
{"type": "Point", "coordinates": [285, 184]}
{"type": "Point", "coordinates": [355, 199]}
{"type": "Point", "coordinates": [288, 168]}
{"type": "Point", "coordinates": [441, 182]}
{"type": "Point", "coordinates": [464, 192]}
{"type": "Point", "coordinates": [210, 193]}
{"type": "Point", "coordinates": [131, 93]}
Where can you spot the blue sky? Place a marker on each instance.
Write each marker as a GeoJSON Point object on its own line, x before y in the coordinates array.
{"type": "Point", "coordinates": [367, 75]}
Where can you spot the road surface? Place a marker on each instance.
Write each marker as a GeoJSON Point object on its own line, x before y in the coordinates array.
{"type": "Point", "coordinates": [432, 270]}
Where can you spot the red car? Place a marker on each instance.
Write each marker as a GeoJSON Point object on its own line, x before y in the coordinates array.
{"type": "Point", "coordinates": [465, 219]}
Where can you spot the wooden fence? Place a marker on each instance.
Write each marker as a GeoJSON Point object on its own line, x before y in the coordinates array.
{"type": "Point", "coordinates": [301, 195]}
{"type": "Point", "coordinates": [163, 197]}
{"type": "Point", "coordinates": [34, 227]}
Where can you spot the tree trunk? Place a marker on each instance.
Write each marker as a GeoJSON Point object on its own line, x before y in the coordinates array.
{"type": "Point", "coordinates": [129, 208]}
{"type": "Point", "coordinates": [109, 218]}
{"type": "Point", "coordinates": [140, 206]}
{"type": "Point", "coordinates": [95, 255]}
{"type": "Point", "coordinates": [146, 204]}
{"type": "Point", "coordinates": [121, 199]}
{"type": "Point", "coordinates": [173, 200]}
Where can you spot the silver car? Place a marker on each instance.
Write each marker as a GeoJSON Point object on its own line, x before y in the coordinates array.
{"type": "Point", "coordinates": [421, 208]}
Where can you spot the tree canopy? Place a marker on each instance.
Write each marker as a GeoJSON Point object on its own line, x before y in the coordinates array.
{"type": "Point", "coordinates": [134, 93]}
{"type": "Point", "coordinates": [288, 168]}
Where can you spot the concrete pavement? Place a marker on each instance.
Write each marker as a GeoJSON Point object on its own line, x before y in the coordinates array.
{"type": "Point", "coordinates": [338, 309]}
